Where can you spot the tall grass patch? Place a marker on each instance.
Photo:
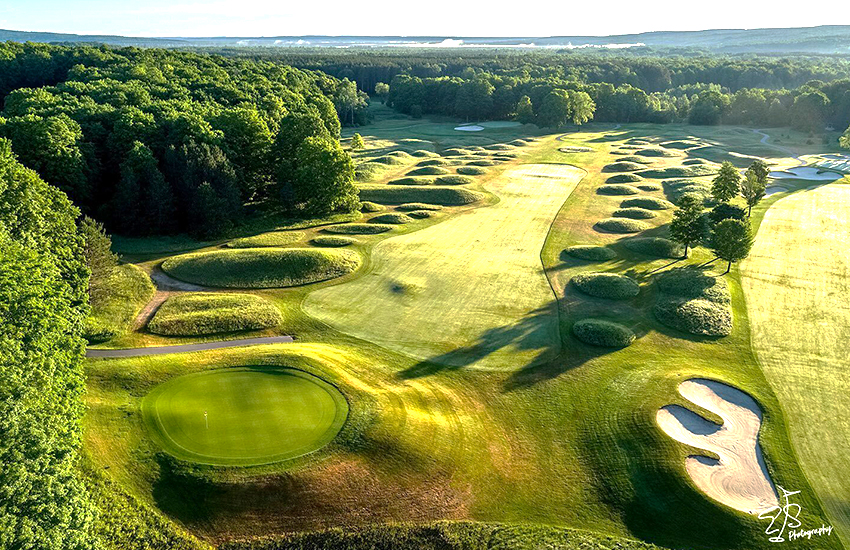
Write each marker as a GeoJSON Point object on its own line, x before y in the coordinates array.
{"type": "Point", "coordinates": [203, 313]}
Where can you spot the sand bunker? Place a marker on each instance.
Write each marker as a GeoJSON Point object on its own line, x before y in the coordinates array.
{"type": "Point", "coordinates": [471, 128]}
{"type": "Point", "coordinates": [806, 173]}
{"type": "Point", "coordinates": [739, 479]}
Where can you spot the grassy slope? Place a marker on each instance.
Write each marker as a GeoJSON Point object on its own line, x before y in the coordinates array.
{"type": "Point", "coordinates": [202, 313]}
{"type": "Point", "coordinates": [797, 282]}
{"type": "Point", "coordinates": [130, 288]}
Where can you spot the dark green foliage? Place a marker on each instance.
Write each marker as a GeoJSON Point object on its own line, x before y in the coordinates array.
{"type": "Point", "coordinates": [606, 285]}
{"type": "Point", "coordinates": [324, 178]}
{"type": "Point", "coordinates": [650, 203]}
{"type": "Point", "coordinates": [453, 180]}
{"type": "Point", "coordinates": [753, 186]}
{"type": "Point", "coordinates": [635, 213]}
{"type": "Point", "coordinates": [332, 241]}
{"type": "Point", "coordinates": [727, 183]}
{"type": "Point", "coordinates": [197, 314]}
{"type": "Point", "coordinates": [356, 142]}
{"type": "Point", "coordinates": [694, 301]}
{"type": "Point", "coordinates": [395, 218]}
{"type": "Point", "coordinates": [623, 167]}
{"type": "Point", "coordinates": [654, 246]}
{"type": "Point", "coordinates": [99, 257]}
{"type": "Point", "coordinates": [726, 211]}
{"type": "Point", "coordinates": [624, 178]}
{"type": "Point", "coordinates": [622, 225]}
{"type": "Point", "coordinates": [606, 334]}
{"type": "Point", "coordinates": [591, 253]}
{"type": "Point", "coordinates": [471, 170]}
{"type": "Point", "coordinates": [144, 202]}
{"type": "Point", "coordinates": [687, 226]}
{"type": "Point", "coordinates": [617, 189]}
{"type": "Point", "coordinates": [445, 196]}
{"type": "Point", "coordinates": [732, 240]}
{"type": "Point", "coordinates": [358, 229]}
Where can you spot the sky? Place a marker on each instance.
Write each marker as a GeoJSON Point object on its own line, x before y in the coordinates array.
{"type": "Point", "coordinates": [191, 18]}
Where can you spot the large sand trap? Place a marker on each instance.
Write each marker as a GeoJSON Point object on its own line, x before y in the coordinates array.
{"type": "Point", "coordinates": [739, 479]}
{"type": "Point", "coordinates": [472, 128]}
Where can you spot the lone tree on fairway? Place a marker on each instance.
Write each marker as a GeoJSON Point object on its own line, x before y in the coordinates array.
{"type": "Point", "coordinates": [726, 185]}
{"type": "Point", "coordinates": [686, 228]}
{"type": "Point", "coordinates": [731, 241]}
{"type": "Point", "coordinates": [356, 142]}
{"type": "Point", "coordinates": [752, 189]}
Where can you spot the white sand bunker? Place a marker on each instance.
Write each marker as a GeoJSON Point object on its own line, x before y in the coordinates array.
{"type": "Point", "coordinates": [739, 479]}
{"type": "Point", "coordinates": [806, 173]}
{"type": "Point", "coordinates": [470, 128]}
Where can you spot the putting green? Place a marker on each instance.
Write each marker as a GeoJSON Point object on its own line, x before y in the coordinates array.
{"type": "Point", "coordinates": [244, 416]}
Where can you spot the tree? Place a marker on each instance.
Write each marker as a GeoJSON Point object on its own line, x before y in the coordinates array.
{"type": "Point", "coordinates": [686, 227]}
{"type": "Point", "coordinates": [752, 189]}
{"type": "Point", "coordinates": [247, 142]}
{"type": "Point", "coordinates": [726, 184]}
{"type": "Point", "coordinates": [382, 90]}
{"type": "Point", "coordinates": [709, 108]}
{"type": "Point", "coordinates": [731, 240]}
{"type": "Point", "coordinates": [524, 110]}
{"type": "Point", "coordinates": [555, 111]}
{"type": "Point", "coordinates": [760, 169]}
{"type": "Point", "coordinates": [356, 142]}
{"type": "Point", "coordinates": [143, 203]}
{"type": "Point", "coordinates": [100, 259]}
{"type": "Point", "coordinates": [582, 107]}
{"type": "Point", "coordinates": [809, 111]}
{"type": "Point", "coordinates": [324, 179]}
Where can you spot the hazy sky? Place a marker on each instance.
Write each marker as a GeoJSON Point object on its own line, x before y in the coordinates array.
{"type": "Point", "coordinates": [400, 17]}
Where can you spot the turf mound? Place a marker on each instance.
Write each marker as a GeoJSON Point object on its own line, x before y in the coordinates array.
{"type": "Point", "coordinates": [400, 194]}
{"type": "Point", "coordinates": [623, 166]}
{"type": "Point", "coordinates": [482, 162]}
{"type": "Point", "coordinates": [606, 285]}
{"type": "Point", "coordinates": [617, 189]}
{"type": "Point", "coordinates": [389, 160]}
{"type": "Point", "coordinates": [606, 334]}
{"type": "Point", "coordinates": [649, 187]}
{"type": "Point", "coordinates": [694, 301]}
{"type": "Point", "coordinates": [261, 268]}
{"type": "Point", "coordinates": [691, 283]}
{"type": "Point", "coordinates": [575, 149]}
{"type": "Point", "coordinates": [202, 313]}
{"type": "Point", "coordinates": [244, 416]}
{"type": "Point", "coordinates": [591, 253]}
{"type": "Point", "coordinates": [411, 181]}
{"type": "Point", "coordinates": [624, 178]}
{"type": "Point", "coordinates": [638, 141]}
{"type": "Point", "coordinates": [635, 213]}
{"type": "Point", "coordinates": [650, 203]}
{"type": "Point", "coordinates": [499, 147]}
{"type": "Point", "coordinates": [635, 159]}
{"type": "Point", "coordinates": [274, 238]}
{"type": "Point", "coordinates": [679, 171]}
{"type": "Point", "coordinates": [369, 207]}
{"type": "Point", "coordinates": [358, 229]}
{"type": "Point", "coordinates": [654, 246]}
{"type": "Point", "coordinates": [453, 180]}
{"type": "Point", "coordinates": [678, 188]}
{"type": "Point", "coordinates": [395, 218]}
{"type": "Point", "coordinates": [655, 152]}
{"type": "Point", "coordinates": [691, 162]}
{"type": "Point", "coordinates": [419, 206]}
{"type": "Point", "coordinates": [456, 152]}
{"type": "Point", "coordinates": [332, 241]}
{"type": "Point", "coordinates": [421, 153]}
{"type": "Point", "coordinates": [422, 214]}
{"type": "Point", "coordinates": [435, 162]}
{"type": "Point", "coordinates": [471, 170]}
{"type": "Point", "coordinates": [428, 171]}
{"type": "Point", "coordinates": [682, 144]}
{"type": "Point", "coordinates": [622, 225]}
{"type": "Point", "coordinates": [369, 171]}
{"type": "Point", "coordinates": [399, 154]}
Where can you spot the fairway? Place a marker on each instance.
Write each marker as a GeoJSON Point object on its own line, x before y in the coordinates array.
{"type": "Point", "coordinates": [798, 276]}
{"type": "Point", "coordinates": [470, 291]}
{"type": "Point", "coordinates": [244, 416]}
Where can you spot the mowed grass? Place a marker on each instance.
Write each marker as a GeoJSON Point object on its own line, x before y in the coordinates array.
{"type": "Point", "coordinates": [261, 268]}
{"type": "Point", "coordinates": [467, 291]}
{"type": "Point", "coordinates": [797, 282]}
{"type": "Point", "coordinates": [197, 314]}
{"type": "Point", "coordinates": [244, 416]}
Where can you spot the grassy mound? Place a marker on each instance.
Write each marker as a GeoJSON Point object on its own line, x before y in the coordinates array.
{"type": "Point", "coordinates": [358, 229]}
{"type": "Point", "coordinates": [332, 241]}
{"type": "Point", "coordinates": [423, 153]}
{"type": "Point", "coordinates": [369, 171]}
{"type": "Point", "coordinates": [389, 160]}
{"type": "Point", "coordinates": [421, 214]}
{"type": "Point", "coordinates": [650, 203]}
{"type": "Point", "coordinates": [201, 313]}
{"type": "Point", "coordinates": [678, 188]}
{"type": "Point", "coordinates": [456, 152]}
{"type": "Point", "coordinates": [694, 301]}
{"type": "Point", "coordinates": [428, 171]}
{"type": "Point", "coordinates": [261, 268]}
{"type": "Point", "coordinates": [435, 162]}
{"type": "Point", "coordinates": [395, 218]}
{"type": "Point", "coordinates": [453, 180]}
{"type": "Point", "coordinates": [692, 283]}
{"type": "Point", "coordinates": [399, 154]}
{"type": "Point", "coordinates": [112, 312]}
{"type": "Point", "coordinates": [591, 253]}
{"type": "Point", "coordinates": [482, 162]}
{"type": "Point", "coordinates": [367, 206]}
{"type": "Point", "coordinates": [682, 144]}
{"type": "Point", "coordinates": [655, 152]}
{"type": "Point", "coordinates": [649, 187]}
{"type": "Point", "coordinates": [636, 159]}
{"type": "Point", "coordinates": [419, 206]}
{"type": "Point", "coordinates": [635, 213]}
{"type": "Point", "coordinates": [622, 225]}
{"type": "Point", "coordinates": [679, 171]}
{"type": "Point", "coordinates": [400, 194]}
{"type": "Point", "coordinates": [691, 162]}
{"type": "Point", "coordinates": [606, 285]}
{"type": "Point", "coordinates": [617, 189]}
{"type": "Point", "coordinates": [274, 238]}
{"type": "Point", "coordinates": [623, 166]}
{"type": "Point", "coordinates": [499, 147]}
{"type": "Point", "coordinates": [412, 181]}
{"type": "Point", "coordinates": [624, 178]}
{"type": "Point", "coordinates": [606, 334]}
{"type": "Point", "coordinates": [471, 170]}
{"type": "Point", "coordinates": [654, 246]}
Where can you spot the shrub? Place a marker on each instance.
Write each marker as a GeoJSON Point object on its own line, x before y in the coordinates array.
{"type": "Point", "coordinates": [624, 166]}
{"type": "Point", "coordinates": [420, 214]}
{"type": "Point", "coordinates": [261, 268]}
{"type": "Point", "coordinates": [419, 206]}
{"type": "Point", "coordinates": [400, 194]}
{"type": "Point", "coordinates": [453, 180]}
{"type": "Point", "coordinates": [635, 213]}
{"type": "Point", "coordinates": [332, 241]}
{"type": "Point", "coordinates": [606, 285]}
{"type": "Point", "coordinates": [700, 317]}
{"type": "Point", "coordinates": [617, 189]}
{"type": "Point", "coordinates": [622, 225]}
{"type": "Point", "coordinates": [358, 229]}
{"type": "Point", "coordinates": [654, 246]}
{"type": "Point", "coordinates": [650, 203]}
{"type": "Point", "coordinates": [655, 152]}
{"type": "Point", "coordinates": [597, 332]}
{"type": "Point", "coordinates": [412, 181]}
{"type": "Point", "coordinates": [624, 178]}
{"type": "Point", "coordinates": [202, 313]}
{"type": "Point", "coordinates": [591, 253]}
{"type": "Point", "coordinates": [471, 170]}
{"type": "Point", "coordinates": [395, 218]}
{"type": "Point", "coordinates": [428, 171]}
{"type": "Point", "coordinates": [273, 238]}
{"type": "Point", "coordinates": [367, 206]}
{"type": "Point", "coordinates": [482, 162]}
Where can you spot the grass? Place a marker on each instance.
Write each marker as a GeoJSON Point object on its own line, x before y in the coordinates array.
{"type": "Point", "coordinates": [332, 241]}
{"type": "Point", "coordinates": [622, 225]}
{"type": "Point", "coordinates": [244, 416]}
{"type": "Point", "coordinates": [655, 152]}
{"type": "Point", "coordinates": [359, 228]}
{"type": "Point", "coordinates": [657, 247]}
{"type": "Point", "coordinates": [197, 314]}
{"type": "Point", "coordinates": [680, 171]}
{"type": "Point", "coordinates": [261, 268]}
{"type": "Point", "coordinates": [412, 181]}
{"type": "Point", "coordinates": [591, 253]}
{"type": "Point", "coordinates": [453, 180]}
{"type": "Point", "coordinates": [635, 213]}
{"type": "Point", "coordinates": [128, 289]}
{"type": "Point", "coordinates": [623, 166]}
{"type": "Point", "coordinates": [617, 189]}
{"type": "Point", "coordinates": [612, 286]}
{"type": "Point", "coordinates": [606, 334]}
{"type": "Point", "coordinates": [445, 196]}
{"type": "Point", "coordinates": [694, 301]}
{"type": "Point", "coordinates": [422, 214]}
{"type": "Point", "coordinates": [471, 170]}
{"type": "Point", "coordinates": [394, 218]}
{"type": "Point", "coordinates": [649, 187]}
{"type": "Point", "coordinates": [274, 238]}
{"type": "Point", "coordinates": [370, 207]}
{"type": "Point", "coordinates": [429, 171]}
{"type": "Point", "coordinates": [624, 178]}
{"type": "Point", "coordinates": [419, 206]}
{"type": "Point", "coordinates": [649, 203]}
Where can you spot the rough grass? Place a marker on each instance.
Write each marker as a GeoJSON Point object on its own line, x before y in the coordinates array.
{"type": "Point", "coordinates": [482, 162]}
{"type": "Point", "coordinates": [635, 213]}
{"type": "Point", "coordinates": [612, 286]}
{"type": "Point", "coordinates": [591, 253]}
{"type": "Point", "coordinates": [369, 171]}
{"type": "Point", "coordinates": [678, 188]}
{"type": "Point", "coordinates": [622, 225]}
{"type": "Point", "coordinates": [422, 214]}
{"type": "Point", "coordinates": [649, 187]}
{"type": "Point", "coordinates": [261, 268]}
{"type": "Point", "coordinates": [606, 334]}
{"type": "Point", "coordinates": [390, 160]}
{"type": "Point", "coordinates": [655, 152]}
{"type": "Point", "coordinates": [658, 247]}
{"type": "Point", "coordinates": [435, 162]}
{"type": "Point", "coordinates": [617, 189]}
{"type": "Point", "coordinates": [395, 218]}
{"type": "Point", "coordinates": [650, 203]}
{"type": "Point", "coordinates": [623, 167]}
{"type": "Point", "coordinates": [471, 170]}
{"type": "Point", "coordinates": [128, 289]}
{"type": "Point", "coordinates": [694, 301]}
{"type": "Point", "coordinates": [202, 313]}
{"type": "Point", "coordinates": [679, 171]}
{"type": "Point", "coordinates": [445, 196]}
{"type": "Point", "coordinates": [370, 207]}
{"type": "Point", "coordinates": [423, 153]}
{"type": "Point", "coordinates": [358, 229]}
{"type": "Point", "coordinates": [412, 181]}
{"type": "Point", "coordinates": [456, 152]}
{"type": "Point", "coordinates": [419, 206]}
{"type": "Point", "coordinates": [429, 171]}
{"type": "Point", "coordinates": [453, 180]}
{"type": "Point", "coordinates": [636, 159]}
{"type": "Point", "coordinates": [274, 238]}
{"type": "Point", "coordinates": [682, 144]}
{"type": "Point", "coordinates": [624, 178]}
{"type": "Point", "coordinates": [332, 241]}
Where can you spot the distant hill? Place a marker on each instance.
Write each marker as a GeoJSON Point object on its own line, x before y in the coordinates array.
{"type": "Point", "coordinates": [827, 39]}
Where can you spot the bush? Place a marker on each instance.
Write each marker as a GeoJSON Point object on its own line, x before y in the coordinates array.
{"type": "Point", "coordinates": [395, 218]}
{"type": "Point", "coordinates": [367, 206]}
{"type": "Point", "coordinates": [482, 162]}
{"type": "Point", "coordinates": [332, 241]}
{"type": "Point", "coordinates": [471, 170]}
{"type": "Point", "coordinates": [624, 166]}
{"type": "Point", "coordinates": [419, 206]}
{"type": "Point", "coordinates": [400, 194]}
{"type": "Point", "coordinates": [650, 203]}
{"type": "Point", "coordinates": [453, 180]}
{"type": "Point", "coordinates": [624, 178]}
{"type": "Point", "coordinates": [726, 211]}
{"type": "Point", "coordinates": [428, 171]}
{"type": "Point", "coordinates": [198, 314]}
{"type": "Point", "coordinates": [635, 213]}
{"type": "Point", "coordinates": [420, 214]}
{"type": "Point", "coordinates": [358, 229]}
{"type": "Point", "coordinates": [649, 187]}
{"type": "Point", "coordinates": [411, 181]}
{"type": "Point", "coordinates": [591, 253]}
{"type": "Point", "coordinates": [655, 152]}
{"type": "Point", "coordinates": [597, 332]}
{"type": "Point", "coordinates": [622, 225]}
{"type": "Point", "coordinates": [273, 238]}
{"type": "Point", "coordinates": [606, 285]}
{"type": "Point", "coordinates": [617, 189]}
{"type": "Point", "coordinates": [700, 317]}
{"type": "Point", "coordinates": [655, 246]}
